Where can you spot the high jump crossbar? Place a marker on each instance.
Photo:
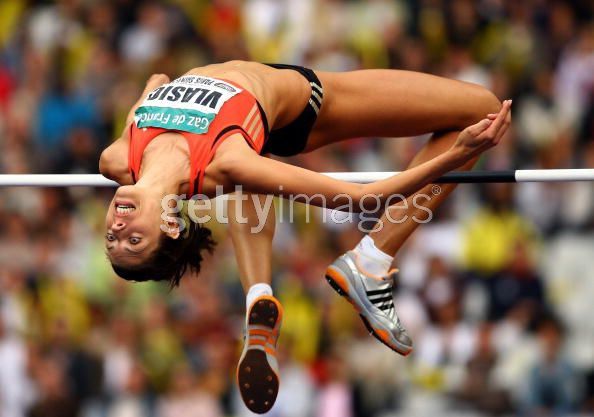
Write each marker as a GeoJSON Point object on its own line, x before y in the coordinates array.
{"type": "Point", "coordinates": [476, 177]}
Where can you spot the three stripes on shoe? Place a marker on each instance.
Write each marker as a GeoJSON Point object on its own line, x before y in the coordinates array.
{"type": "Point", "coordinates": [382, 298]}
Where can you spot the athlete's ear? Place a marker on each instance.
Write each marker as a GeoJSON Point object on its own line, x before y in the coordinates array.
{"type": "Point", "coordinates": [173, 230]}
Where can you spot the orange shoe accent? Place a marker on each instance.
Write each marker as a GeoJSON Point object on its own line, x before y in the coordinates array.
{"type": "Point", "coordinates": [338, 279]}
{"type": "Point", "coordinates": [261, 332]}
{"type": "Point", "coordinates": [270, 351]}
{"type": "Point", "coordinates": [258, 342]}
{"type": "Point", "coordinates": [382, 334]}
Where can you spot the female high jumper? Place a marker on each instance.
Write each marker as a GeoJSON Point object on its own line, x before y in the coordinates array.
{"type": "Point", "coordinates": [214, 126]}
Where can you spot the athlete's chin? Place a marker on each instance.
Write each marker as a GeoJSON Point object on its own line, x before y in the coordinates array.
{"type": "Point", "coordinates": [126, 190]}
{"type": "Point", "coordinates": [130, 193]}
{"type": "Point", "coordinates": [137, 201]}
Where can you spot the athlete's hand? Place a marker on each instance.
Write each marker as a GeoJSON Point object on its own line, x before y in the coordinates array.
{"type": "Point", "coordinates": [483, 135]}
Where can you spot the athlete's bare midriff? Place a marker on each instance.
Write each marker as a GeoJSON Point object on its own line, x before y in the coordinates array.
{"type": "Point", "coordinates": [282, 93]}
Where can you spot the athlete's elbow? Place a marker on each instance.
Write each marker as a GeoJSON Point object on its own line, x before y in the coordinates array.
{"type": "Point", "coordinates": [105, 164]}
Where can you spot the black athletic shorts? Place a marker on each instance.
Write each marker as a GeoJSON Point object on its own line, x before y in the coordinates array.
{"type": "Point", "coordinates": [291, 139]}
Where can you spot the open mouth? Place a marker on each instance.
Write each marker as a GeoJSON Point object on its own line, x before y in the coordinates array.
{"type": "Point", "coordinates": [123, 209]}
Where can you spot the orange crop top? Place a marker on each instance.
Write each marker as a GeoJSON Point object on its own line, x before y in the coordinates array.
{"type": "Point", "coordinates": [205, 111]}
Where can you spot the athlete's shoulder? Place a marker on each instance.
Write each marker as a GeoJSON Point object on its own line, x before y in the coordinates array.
{"type": "Point", "coordinates": [113, 162]}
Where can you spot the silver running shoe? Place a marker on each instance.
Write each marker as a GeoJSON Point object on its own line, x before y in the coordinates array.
{"type": "Point", "coordinates": [372, 298]}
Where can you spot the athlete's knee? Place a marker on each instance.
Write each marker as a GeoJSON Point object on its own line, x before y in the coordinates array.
{"type": "Point", "coordinates": [482, 102]}
{"type": "Point", "coordinates": [475, 104]}
{"type": "Point", "coordinates": [488, 101]}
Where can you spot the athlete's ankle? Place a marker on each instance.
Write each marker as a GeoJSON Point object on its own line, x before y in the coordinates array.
{"type": "Point", "coordinates": [257, 290]}
{"type": "Point", "coordinates": [371, 259]}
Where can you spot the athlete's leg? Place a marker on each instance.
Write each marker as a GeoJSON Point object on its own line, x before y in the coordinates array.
{"type": "Point", "coordinates": [252, 242]}
{"type": "Point", "coordinates": [399, 103]}
{"type": "Point", "coordinates": [391, 231]}
{"type": "Point", "coordinates": [392, 103]}
{"type": "Point", "coordinates": [252, 231]}
{"type": "Point", "coordinates": [378, 248]}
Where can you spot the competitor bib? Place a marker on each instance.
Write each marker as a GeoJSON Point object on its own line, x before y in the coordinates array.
{"type": "Point", "coordinates": [189, 103]}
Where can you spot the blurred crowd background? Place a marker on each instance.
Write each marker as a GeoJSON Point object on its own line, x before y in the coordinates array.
{"type": "Point", "coordinates": [496, 290]}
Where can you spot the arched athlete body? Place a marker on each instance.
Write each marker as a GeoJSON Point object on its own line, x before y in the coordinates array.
{"type": "Point", "coordinates": [214, 127]}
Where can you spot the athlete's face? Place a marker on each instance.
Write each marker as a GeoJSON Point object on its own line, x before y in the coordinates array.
{"type": "Point", "coordinates": [133, 225]}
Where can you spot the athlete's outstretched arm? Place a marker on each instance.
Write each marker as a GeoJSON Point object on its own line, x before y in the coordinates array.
{"type": "Point", "coordinates": [267, 176]}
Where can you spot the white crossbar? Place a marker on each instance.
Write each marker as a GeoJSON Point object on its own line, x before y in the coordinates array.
{"type": "Point", "coordinates": [529, 175]}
